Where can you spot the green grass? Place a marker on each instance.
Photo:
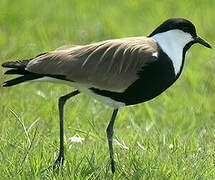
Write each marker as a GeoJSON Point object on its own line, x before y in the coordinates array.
{"type": "Point", "coordinates": [170, 137]}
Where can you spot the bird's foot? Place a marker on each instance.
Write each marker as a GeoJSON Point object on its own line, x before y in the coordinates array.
{"type": "Point", "coordinates": [57, 166]}
{"type": "Point", "coordinates": [59, 162]}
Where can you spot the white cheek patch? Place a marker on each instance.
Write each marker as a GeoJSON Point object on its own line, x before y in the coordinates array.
{"type": "Point", "coordinates": [172, 43]}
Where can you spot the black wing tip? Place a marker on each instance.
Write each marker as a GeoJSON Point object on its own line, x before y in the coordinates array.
{"type": "Point", "coordinates": [5, 85]}
{"type": "Point", "coordinates": [16, 64]}
{"type": "Point", "coordinates": [21, 79]}
{"type": "Point", "coordinates": [16, 71]}
{"type": "Point", "coordinates": [20, 64]}
{"type": "Point", "coordinates": [6, 64]}
{"type": "Point", "coordinates": [11, 64]}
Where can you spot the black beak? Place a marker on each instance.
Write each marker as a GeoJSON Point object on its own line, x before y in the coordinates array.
{"type": "Point", "coordinates": [202, 41]}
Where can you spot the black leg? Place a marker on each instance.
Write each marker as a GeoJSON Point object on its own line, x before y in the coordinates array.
{"type": "Point", "coordinates": [62, 100]}
{"type": "Point", "coordinates": [110, 138]}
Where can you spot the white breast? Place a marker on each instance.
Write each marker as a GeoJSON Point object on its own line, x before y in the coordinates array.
{"type": "Point", "coordinates": [172, 43]}
{"type": "Point", "coordinates": [84, 88]}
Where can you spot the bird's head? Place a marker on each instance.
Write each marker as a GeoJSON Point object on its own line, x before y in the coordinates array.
{"type": "Point", "coordinates": [180, 31]}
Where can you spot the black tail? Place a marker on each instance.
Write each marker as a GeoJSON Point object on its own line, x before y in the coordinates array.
{"type": "Point", "coordinates": [18, 67]}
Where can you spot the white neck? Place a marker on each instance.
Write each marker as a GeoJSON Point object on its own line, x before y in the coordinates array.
{"type": "Point", "coordinates": [172, 43]}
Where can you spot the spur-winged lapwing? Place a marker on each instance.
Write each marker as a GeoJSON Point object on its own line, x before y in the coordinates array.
{"type": "Point", "coordinates": [117, 72]}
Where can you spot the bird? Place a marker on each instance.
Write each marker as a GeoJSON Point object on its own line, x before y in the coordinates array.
{"type": "Point", "coordinates": [118, 72]}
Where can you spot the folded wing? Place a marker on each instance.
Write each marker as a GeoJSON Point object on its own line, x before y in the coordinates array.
{"type": "Point", "coordinates": [109, 65]}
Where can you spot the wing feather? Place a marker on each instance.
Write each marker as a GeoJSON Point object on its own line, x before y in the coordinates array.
{"type": "Point", "coordinates": [109, 65]}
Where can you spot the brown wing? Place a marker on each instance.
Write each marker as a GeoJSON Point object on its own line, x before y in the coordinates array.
{"type": "Point", "coordinates": [108, 65]}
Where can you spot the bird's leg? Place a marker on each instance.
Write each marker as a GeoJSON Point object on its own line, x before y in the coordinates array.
{"type": "Point", "coordinates": [62, 100]}
{"type": "Point", "coordinates": [110, 132]}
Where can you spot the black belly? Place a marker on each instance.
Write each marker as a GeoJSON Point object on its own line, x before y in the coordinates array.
{"type": "Point", "coordinates": [154, 78]}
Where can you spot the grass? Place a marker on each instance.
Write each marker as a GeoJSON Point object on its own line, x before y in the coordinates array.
{"type": "Point", "coordinates": [170, 137]}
